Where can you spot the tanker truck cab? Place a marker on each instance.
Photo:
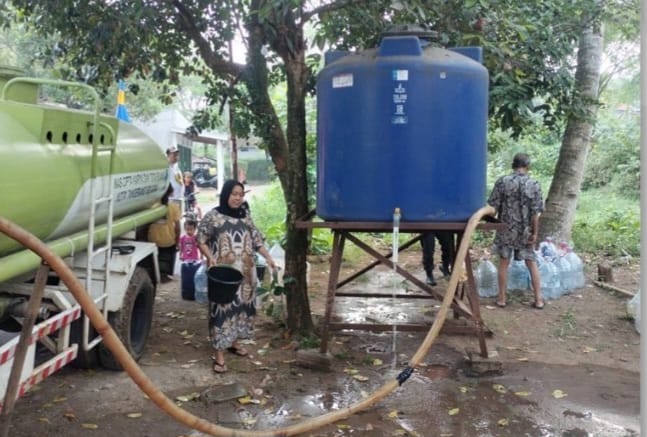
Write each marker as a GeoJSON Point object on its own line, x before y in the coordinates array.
{"type": "Point", "coordinates": [95, 185]}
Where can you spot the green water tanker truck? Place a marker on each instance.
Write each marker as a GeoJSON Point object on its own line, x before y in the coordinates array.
{"type": "Point", "coordinates": [86, 184]}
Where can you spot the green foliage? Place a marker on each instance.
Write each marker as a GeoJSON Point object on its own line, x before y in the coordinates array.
{"type": "Point", "coordinates": [258, 170]}
{"type": "Point", "coordinates": [567, 325]}
{"type": "Point", "coordinates": [607, 223]}
{"type": "Point", "coordinates": [269, 213]}
{"type": "Point", "coordinates": [614, 159]}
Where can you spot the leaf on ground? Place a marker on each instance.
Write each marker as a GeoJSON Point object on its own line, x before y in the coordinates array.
{"type": "Point", "coordinates": [393, 414]}
{"type": "Point", "coordinates": [184, 333]}
{"type": "Point", "coordinates": [189, 397]}
{"type": "Point", "coordinates": [558, 394]}
{"type": "Point", "coordinates": [350, 371]}
{"type": "Point", "coordinates": [343, 426]}
{"type": "Point", "coordinates": [245, 400]}
{"type": "Point", "coordinates": [59, 399]}
{"type": "Point", "coordinates": [499, 388]}
{"type": "Point", "coordinates": [43, 419]}
{"type": "Point", "coordinates": [522, 359]}
{"type": "Point", "coordinates": [361, 378]}
{"type": "Point", "coordinates": [70, 416]}
{"type": "Point", "coordinates": [377, 362]}
{"type": "Point", "coordinates": [463, 389]}
{"type": "Point", "coordinates": [167, 330]}
{"type": "Point", "coordinates": [522, 393]}
{"type": "Point", "coordinates": [89, 426]}
{"type": "Point", "coordinates": [502, 422]}
{"type": "Point", "coordinates": [454, 411]}
{"type": "Point", "coordinates": [134, 415]}
{"type": "Point", "coordinates": [588, 349]}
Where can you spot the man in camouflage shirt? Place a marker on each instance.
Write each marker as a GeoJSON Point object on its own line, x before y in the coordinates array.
{"type": "Point", "coordinates": [518, 203]}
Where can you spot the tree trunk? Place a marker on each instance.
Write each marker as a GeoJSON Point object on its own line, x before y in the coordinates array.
{"type": "Point", "coordinates": [558, 217]}
{"type": "Point", "coordinates": [296, 197]}
{"type": "Point", "coordinates": [288, 152]}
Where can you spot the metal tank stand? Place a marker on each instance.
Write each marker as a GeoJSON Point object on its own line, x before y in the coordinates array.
{"type": "Point", "coordinates": [466, 302]}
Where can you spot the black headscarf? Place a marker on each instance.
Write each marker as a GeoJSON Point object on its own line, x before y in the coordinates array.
{"type": "Point", "coordinates": [224, 207]}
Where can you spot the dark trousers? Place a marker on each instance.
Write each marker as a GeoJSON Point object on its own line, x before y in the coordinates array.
{"type": "Point", "coordinates": [428, 241]}
{"type": "Point", "coordinates": [166, 258]}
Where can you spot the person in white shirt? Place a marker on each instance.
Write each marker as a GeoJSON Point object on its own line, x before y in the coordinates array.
{"type": "Point", "coordinates": [175, 176]}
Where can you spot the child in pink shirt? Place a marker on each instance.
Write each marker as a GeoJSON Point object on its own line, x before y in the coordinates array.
{"type": "Point", "coordinates": [190, 258]}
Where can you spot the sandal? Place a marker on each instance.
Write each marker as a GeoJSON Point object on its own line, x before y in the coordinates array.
{"type": "Point", "coordinates": [501, 304]}
{"type": "Point", "coordinates": [538, 306]}
{"type": "Point", "coordinates": [219, 367]}
{"type": "Point", "coordinates": [238, 350]}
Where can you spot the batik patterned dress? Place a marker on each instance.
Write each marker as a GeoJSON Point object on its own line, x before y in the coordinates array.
{"type": "Point", "coordinates": [516, 198]}
{"type": "Point", "coordinates": [232, 241]}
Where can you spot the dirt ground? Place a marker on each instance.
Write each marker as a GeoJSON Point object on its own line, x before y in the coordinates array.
{"type": "Point", "coordinates": [571, 369]}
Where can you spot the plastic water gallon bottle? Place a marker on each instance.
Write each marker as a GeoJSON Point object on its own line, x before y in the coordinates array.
{"type": "Point", "coordinates": [518, 276]}
{"type": "Point", "coordinates": [633, 310]}
{"type": "Point", "coordinates": [548, 249]}
{"type": "Point", "coordinates": [487, 283]}
{"type": "Point", "coordinates": [577, 267]}
{"type": "Point", "coordinates": [565, 274]}
{"type": "Point", "coordinates": [549, 279]}
{"type": "Point", "coordinates": [200, 281]}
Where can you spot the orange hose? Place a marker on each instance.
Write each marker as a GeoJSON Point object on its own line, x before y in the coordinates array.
{"type": "Point", "coordinates": [113, 343]}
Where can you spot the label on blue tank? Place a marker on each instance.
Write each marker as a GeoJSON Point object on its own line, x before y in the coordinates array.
{"type": "Point", "coordinates": [401, 75]}
{"type": "Point", "coordinates": [342, 81]}
{"type": "Point", "coordinates": [399, 115]}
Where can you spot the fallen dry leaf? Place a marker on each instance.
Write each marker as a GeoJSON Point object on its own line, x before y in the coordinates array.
{"type": "Point", "coordinates": [558, 394]}
{"type": "Point", "coordinates": [462, 389]}
{"type": "Point", "coordinates": [588, 349]}
{"type": "Point", "coordinates": [377, 362]}
{"type": "Point", "coordinates": [89, 426]}
{"type": "Point", "coordinates": [189, 397]}
{"type": "Point", "coordinates": [454, 411]}
{"type": "Point", "coordinates": [134, 415]}
{"type": "Point", "coordinates": [361, 378]}
{"type": "Point", "coordinates": [522, 359]}
{"type": "Point", "coordinates": [393, 414]}
{"type": "Point", "coordinates": [522, 393]}
{"type": "Point", "coordinates": [502, 422]}
{"type": "Point", "coordinates": [499, 388]}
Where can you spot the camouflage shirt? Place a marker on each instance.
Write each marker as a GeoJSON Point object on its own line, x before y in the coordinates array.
{"type": "Point", "coordinates": [516, 198]}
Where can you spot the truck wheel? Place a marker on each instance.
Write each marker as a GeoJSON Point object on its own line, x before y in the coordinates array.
{"type": "Point", "coordinates": [84, 359]}
{"type": "Point", "coordinates": [132, 323]}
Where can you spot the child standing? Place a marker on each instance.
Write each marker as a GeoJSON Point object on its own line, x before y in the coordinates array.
{"type": "Point", "coordinates": [190, 258]}
{"type": "Point", "coordinates": [191, 206]}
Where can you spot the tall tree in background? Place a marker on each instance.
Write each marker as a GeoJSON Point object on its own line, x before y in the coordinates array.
{"type": "Point", "coordinates": [561, 202]}
{"type": "Point", "coordinates": [557, 219]}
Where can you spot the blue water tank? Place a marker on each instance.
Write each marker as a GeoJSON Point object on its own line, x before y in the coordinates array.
{"type": "Point", "coordinates": [403, 125]}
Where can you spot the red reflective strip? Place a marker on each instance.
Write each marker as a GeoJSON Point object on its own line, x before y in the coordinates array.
{"type": "Point", "coordinates": [45, 328]}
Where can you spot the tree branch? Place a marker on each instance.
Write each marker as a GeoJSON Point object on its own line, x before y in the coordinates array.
{"type": "Point", "coordinates": [216, 63]}
{"type": "Point", "coordinates": [334, 6]}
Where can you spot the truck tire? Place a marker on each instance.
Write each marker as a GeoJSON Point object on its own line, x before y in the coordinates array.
{"type": "Point", "coordinates": [84, 359]}
{"type": "Point", "coordinates": [132, 323]}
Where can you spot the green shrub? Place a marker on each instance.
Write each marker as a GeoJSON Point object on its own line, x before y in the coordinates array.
{"type": "Point", "coordinates": [258, 170]}
{"type": "Point", "coordinates": [607, 223]}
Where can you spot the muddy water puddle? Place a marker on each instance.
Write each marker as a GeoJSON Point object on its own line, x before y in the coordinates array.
{"type": "Point", "coordinates": [529, 399]}
{"type": "Point", "coordinates": [438, 399]}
